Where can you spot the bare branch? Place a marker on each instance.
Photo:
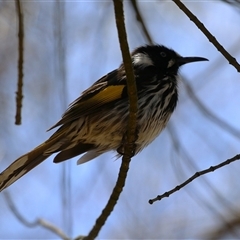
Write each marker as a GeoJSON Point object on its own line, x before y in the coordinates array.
{"type": "Point", "coordinates": [196, 175]}
{"type": "Point", "coordinates": [52, 228]}
{"type": "Point", "coordinates": [234, 3]}
{"type": "Point", "coordinates": [196, 196]}
{"type": "Point", "coordinates": [141, 21]}
{"type": "Point", "coordinates": [132, 122]}
{"type": "Point", "coordinates": [38, 222]}
{"type": "Point", "coordinates": [16, 212]}
{"type": "Point", "coordinates": [210, 37]}
{"type": "Point", "coordinates": [217, 120]}
{"type": "Point", "coordinates": [19, 94]}
{"type": "Point", "coordinates": [221, 123]}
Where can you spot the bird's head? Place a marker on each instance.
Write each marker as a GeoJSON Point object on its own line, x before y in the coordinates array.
{"type": "Point", "coordinates": [163, 60]}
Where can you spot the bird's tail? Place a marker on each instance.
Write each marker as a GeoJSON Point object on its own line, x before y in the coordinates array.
{"type": "Point", "coordinates": [26, 163]}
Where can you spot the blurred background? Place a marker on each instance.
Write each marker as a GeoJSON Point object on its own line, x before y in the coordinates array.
{"type": "Point", "coordinates": [68, 46]}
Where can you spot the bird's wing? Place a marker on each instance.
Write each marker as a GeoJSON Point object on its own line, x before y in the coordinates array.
{"type": "Point", "coordinates": [102, 93]}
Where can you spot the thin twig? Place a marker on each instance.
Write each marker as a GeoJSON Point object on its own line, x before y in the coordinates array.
{"type": "Point", "coordinates": [235, 3]}
{"type": "Point", "coordinates": [202, 108]}
{"type": "Point", "coordinates": [210, 37]}
{"type": "Point", "coordinates": [16, 212]}
{"type": "Point", "coordinates": [141, 21]}
{"type": "Point", "coordinates": [52, 228]}
{"type": "Point", "coordinates": [131, 130]}
{"type": "Point", "coordinates": [59, 17]}
{"type": "Point", "coordinates": [196, 175]}
{"type": "Point", "coordinates": [19, 94]}
{"type": "Point", "coordinates": [194, 193]}
{"type": "Point", "coordinates": [36, 223]}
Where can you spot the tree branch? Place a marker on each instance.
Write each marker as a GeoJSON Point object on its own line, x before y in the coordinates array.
{"type": "Point", "coordinates": [196, 175]}
{"type": "Point", "coordinates": [141, 21]}
{"type": "Point", "coordinates": [210, 37]}
{"type": "Point", "coordinates": [19, 94]}
{"type": "Point", "coordinates": [132, 122]}
{"type": "Point", "coordinates": [211, 116]}
{"type": "Point", "coordinates": [38, 222]}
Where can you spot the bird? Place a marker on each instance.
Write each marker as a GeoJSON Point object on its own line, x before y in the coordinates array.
{"type": "Point", "coordinates": [96, 121]}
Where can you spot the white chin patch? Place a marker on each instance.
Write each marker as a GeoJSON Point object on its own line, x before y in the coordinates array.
{"type": "Point", "coordinates": [142, 59]}
{"type": "Point", "coordinates": [170, 63]}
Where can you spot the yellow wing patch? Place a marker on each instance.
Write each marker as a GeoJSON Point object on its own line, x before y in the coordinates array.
{"type": "Point", "coordinates": [107, 95]}
{"type": "Point", "coordinates": [88, 106]}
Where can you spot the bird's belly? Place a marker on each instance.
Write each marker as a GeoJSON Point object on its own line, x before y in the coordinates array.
{"type": "Point", "coordinates": [110, 136]}
{"type": "Point", "coordinates": [150, 129]}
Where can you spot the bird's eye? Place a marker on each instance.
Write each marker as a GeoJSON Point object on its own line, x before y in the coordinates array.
{"type": "Point", "coordinates": [163, 54]}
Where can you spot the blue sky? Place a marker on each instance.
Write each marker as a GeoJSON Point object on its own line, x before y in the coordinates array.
{"type": "Point", "coordinates": [91, 49]}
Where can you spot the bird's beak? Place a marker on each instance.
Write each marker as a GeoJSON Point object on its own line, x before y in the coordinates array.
{"type": "Point", "coordinates": [184, 60]}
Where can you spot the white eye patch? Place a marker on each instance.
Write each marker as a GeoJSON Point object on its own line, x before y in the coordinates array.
{"type": "Point", "coordinates": [142, 59]}
{"type": "Point", "coordinates": [170, 63]}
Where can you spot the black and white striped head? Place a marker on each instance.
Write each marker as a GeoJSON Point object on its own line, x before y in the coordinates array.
{"type": "Point", "coordinates": [163, 59]}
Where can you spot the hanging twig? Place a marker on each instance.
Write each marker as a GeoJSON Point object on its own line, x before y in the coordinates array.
{"type": "Point", "coordinates": [19, 94]}
{"type": "Point", "coordinates": [141, 21]}
{"type": "Point", "coordinates": [36, 223]}
{"type": "Point", "coordinates": [211, 116]}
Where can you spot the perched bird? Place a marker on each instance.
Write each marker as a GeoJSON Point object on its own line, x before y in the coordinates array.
{"type": "Point", "coordinates": [96, 121]}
